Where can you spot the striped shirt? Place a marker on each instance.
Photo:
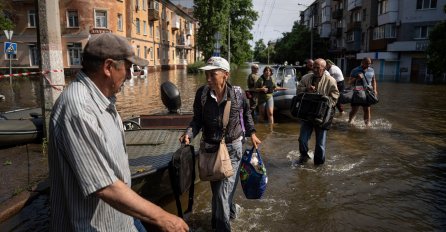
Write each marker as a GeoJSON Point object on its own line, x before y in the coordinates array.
{"type": "Point", "coordinates": [86, 153]}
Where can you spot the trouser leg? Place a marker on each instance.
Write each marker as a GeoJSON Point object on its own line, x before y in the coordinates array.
{"type": "Point", "coordinates": [306, 129]}
{"type": "Point", "coordinates": [223, 191]}
{"type": "Point", "coordinates": [319, 151]}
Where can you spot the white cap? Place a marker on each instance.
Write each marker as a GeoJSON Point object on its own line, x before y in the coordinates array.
{"type": "Point", "coordinates": [216, 63]}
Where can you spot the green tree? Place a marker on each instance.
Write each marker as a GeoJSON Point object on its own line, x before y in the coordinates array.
{"type": "Point", "coordinates": [5, 22]}
{"type": "Point", "coordinates": [435, 51]}
{"type": "Point", "coordinates": [214, 16]}
{"type": "Point", "coordinates": [260, 51]}
{"type": "Point", "coordinates": [295, 45]}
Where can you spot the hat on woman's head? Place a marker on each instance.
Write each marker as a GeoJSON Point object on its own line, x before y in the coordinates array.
{"type": "Point", "coordinates": [216, 63]}
{"type": "Point", "coordinates": [110, 46]}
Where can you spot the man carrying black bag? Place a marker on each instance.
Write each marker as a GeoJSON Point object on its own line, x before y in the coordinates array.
{"type": "Point", "coordinates": [317, 82]}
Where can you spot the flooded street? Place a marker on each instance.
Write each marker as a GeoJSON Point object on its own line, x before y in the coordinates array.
{"type": "Point", "coordinates": [389, 177]}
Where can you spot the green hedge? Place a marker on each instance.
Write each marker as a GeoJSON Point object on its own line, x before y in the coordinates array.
{"type": "Point", "coordinates": [194, 68]}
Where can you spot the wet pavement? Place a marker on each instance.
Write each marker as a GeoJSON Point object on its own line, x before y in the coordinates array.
{"type": "Point", "coordinates": [22, 168]}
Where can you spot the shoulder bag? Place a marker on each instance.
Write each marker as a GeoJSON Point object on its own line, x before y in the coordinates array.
{"type": "Point", "coordinates": [214, 162]}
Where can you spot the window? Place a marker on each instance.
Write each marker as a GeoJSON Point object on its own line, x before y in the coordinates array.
{"type": "Point", "coordinates": [350, 37]}
{"type": "Point", "coordinates": [138, 29]}
{"type": "Point", "coordinates": [426, 4]}
{"type": "Point", "coordinates": [422, 32]}
{"type": "Point", "coordinates": [145, 52]}
{"type": "Point", "coordinates": [72, 18]}
{"type": "Point", "coordinates": [33, 55]}
{"type": "Point", "coordinates": [144, 4]}
{"type": "Point", "coordinates": [151, 28]}
{"type": "Point", "coordinates": [138, 51]}
{"type": "Point", "coordinates": [101, 19]}
{"type": "Point", "coordinates": [158, 52]}
{"type": "Point", "coordinates": [120, 22]}
{"type": "Point", "coordinates": [356, 16]}
{"type": "Point", "coordinates": [157, 31]}
{"type": "Point", "coordinates": [144, 26]}
{"type": "Point", "coordinates": [137, 5]}
{"type": "Point", "coordinates": [154, 5]}
{"type": "Point", "coordinates": [382, 7]}
{"type": "Point", "coordinates": [384, 32]}
{"type": "Point", "coordinates": [32, 18]}
{"type": "Point", "coordinates": [74, 53]}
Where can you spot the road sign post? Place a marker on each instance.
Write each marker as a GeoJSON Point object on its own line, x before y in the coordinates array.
{"type": "Point", "coordinates": [9, 37]}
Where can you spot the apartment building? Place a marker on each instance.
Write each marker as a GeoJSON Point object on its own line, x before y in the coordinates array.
{"type": "Point", "coordinates": [159, 31]}
{"type": "Point", "coordinates": [394, 33]}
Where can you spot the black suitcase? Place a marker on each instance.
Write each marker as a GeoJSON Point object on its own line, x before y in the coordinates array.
{"type": "Point", "coordinates": [313, 107]}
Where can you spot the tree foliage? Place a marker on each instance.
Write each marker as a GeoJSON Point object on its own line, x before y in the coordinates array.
{"type": "Point", "coordinates": [5, 22]}
{"type": "Point", "coordinates": [435, 51]}
{"type": "Point", "coordinates": [214, 16]}
{"type": "Point", "coordinates": [296, 45]}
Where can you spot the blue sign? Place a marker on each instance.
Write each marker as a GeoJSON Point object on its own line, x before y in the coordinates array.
{"type": "Point", "coordinates": [10, 48]}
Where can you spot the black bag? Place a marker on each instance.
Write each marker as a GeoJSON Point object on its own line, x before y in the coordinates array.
{"type": "Point", "coordinates": [371, 97]}
{"type": "Point", "coordinates": [313, 107]}
{"type": "Point", "coordinates": [182, 175]}
{"type": "Point", "coordinates": [345, 96]}
{"type": "Point", "coordinates": [359, 97]}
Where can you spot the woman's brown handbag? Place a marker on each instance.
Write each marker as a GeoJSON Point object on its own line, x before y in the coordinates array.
{"type": "Point", "coordinates": [214, 162]}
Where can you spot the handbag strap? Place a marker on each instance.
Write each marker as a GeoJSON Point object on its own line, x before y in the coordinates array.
{"type": "Point", "coordinates": [226, 117]}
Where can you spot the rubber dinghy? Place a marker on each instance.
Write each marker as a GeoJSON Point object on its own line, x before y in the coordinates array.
{"type": "Point", "coordinates": [21, 127]}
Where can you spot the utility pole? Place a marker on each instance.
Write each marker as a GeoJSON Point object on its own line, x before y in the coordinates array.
{"type": "Point", "coordinates": [229, 42]}
{"type": "Point", "coordinates": [51, 58]}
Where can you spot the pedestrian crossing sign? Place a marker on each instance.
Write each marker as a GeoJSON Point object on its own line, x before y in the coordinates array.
{"type": "Point", "coordinates": [10, 48]}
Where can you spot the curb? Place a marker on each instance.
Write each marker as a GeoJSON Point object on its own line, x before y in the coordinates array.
{"type": "Point", "coordinates": [11, 207]}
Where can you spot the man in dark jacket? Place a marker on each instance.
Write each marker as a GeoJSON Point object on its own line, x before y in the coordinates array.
{"type": "Point", "coordinates": [208, 117]}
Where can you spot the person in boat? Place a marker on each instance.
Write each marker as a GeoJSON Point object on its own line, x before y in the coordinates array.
{"type": "Point", "coordinates": [336, 73]}
{"type": "Point", "coordinates": [252, 79]}
{"type": "Point", "coordinates": [208, 117]}
{"type": "Point", "coordinates": [88, 162]}
{"type": "Point", "coordinates": [359, 75]}
{"type": "Point", "coordinates": [317, 82]}
{"type": "Point", "coordinates": [265, 87]}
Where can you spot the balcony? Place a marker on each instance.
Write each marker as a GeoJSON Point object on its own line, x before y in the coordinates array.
{"type": "Point", "coordinates": [337, 14]}
{"type": "Point", "coordinates": [337, 32]}
{"type": "Point", "coordinates": [353, 4]}
{"type": "Point", "coordinates": [175, 24]}
{"type": "Point", "coordinates": [354, 26]}
{"type": "Point", "coordinates": [154, 15]}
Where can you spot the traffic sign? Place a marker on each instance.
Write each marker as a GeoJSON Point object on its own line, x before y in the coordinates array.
{"type": "Point", "coordinates": [10, 48]}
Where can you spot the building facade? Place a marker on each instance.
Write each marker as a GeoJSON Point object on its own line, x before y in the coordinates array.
{"type": "Point", "coordinates": [159, 31]}
{"type": "Point", "coordinates": [393, 33]}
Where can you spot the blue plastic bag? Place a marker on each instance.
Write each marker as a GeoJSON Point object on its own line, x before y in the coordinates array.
{"type": "Point", "coordinates": [253, 177]}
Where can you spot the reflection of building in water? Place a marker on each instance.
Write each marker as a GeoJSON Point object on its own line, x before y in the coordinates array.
{"type": "Point", "coordinates": [393, 33]}
{"type": "Point", "coordinates": [159, 31]}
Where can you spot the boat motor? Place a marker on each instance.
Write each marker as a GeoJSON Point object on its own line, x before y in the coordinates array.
{"type": "Point", "coordinates": [170, 97]}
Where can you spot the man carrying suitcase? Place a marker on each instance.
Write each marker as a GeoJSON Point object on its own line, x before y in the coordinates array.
{"type": "Point", "coordinates": [317, 82]}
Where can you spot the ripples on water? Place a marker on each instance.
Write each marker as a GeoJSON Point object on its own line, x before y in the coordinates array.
{"type": "Point", "coordinates": [387, 177]}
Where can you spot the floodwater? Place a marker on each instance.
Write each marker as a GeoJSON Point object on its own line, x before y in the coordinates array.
{"type": "Point", "coordinates": [388, 177]}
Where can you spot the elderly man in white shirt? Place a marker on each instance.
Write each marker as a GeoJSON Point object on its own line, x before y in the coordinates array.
{"type": "Point", "coordinates": [336, 73]}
